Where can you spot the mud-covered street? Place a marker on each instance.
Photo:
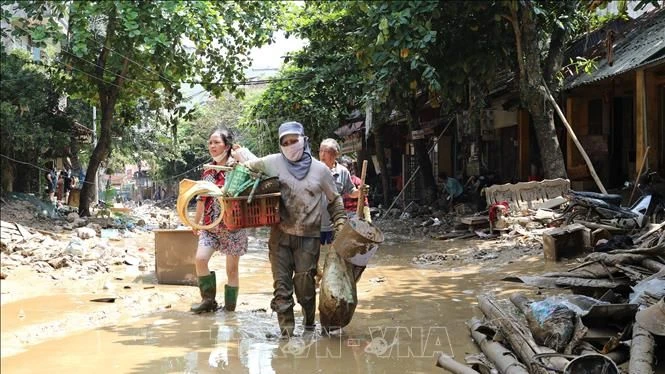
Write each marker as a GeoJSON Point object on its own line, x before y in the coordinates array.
{"type": "Point", "coordinates": [414, 300]}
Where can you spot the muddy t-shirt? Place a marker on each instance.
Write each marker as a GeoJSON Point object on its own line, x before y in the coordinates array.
{"type": "Point", "coordinates": [301, 203]}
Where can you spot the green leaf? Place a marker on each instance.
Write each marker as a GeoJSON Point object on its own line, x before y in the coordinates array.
{"type": "Point", "coordinates": [383, 24]}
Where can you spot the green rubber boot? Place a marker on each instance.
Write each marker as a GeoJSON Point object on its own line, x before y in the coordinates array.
{"type": "Point", "coordinates": [208, 287]}
{"type": "Point", "coordinates": [230, 297]}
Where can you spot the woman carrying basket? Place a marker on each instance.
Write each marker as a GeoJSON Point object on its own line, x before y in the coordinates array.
{"type": "Point", "coordinates": [233, 244]}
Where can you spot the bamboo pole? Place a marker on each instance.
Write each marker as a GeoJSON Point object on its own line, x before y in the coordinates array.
{"type": "Point", "coordinates": [641, 351]}
{"type": "Point", "coordinates": [448, 363]}
{"type": "Point", "coordinates": [361, 195]}
{"type": "Point", "coordinates": [574, 138]}
{"type": "Point", "coordinates": [639, 174]}
{"type": "Point", "coordinates": [502, 358]}
{"type": "Point", "coordinates": [520, 340]}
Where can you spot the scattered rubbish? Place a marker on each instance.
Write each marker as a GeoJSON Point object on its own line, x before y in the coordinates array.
{"type": "Point", "coordinates": [433, 258]}
{"type": "Point", "coordinates": [111, 234]}
{"type": "Point", "coordinates": [578, 333]}
{"type": "Point", "coordinates": [104, 300]}
{"type": "Point", "coordinates": [377, 280]}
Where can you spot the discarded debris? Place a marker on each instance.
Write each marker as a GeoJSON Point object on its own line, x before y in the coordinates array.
{"type": "Point", "coordinates": [577, 333]}
{"type": "Point", "coordinates": [104, 300]}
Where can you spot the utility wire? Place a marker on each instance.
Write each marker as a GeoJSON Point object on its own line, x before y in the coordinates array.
{"type": "Point", "coordinates": [107, 70]}
{"type": "Point", "coordinates": [83, 181]}
{"type": "Point", "coordinates": [34, 166]}
{"type": "Point", "coordinates": [244, 83]}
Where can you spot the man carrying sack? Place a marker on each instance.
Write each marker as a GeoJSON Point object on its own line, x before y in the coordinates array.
{"type": "Point", "coordinates": [294, 244]}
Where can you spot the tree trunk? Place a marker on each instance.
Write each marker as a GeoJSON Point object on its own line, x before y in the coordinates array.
{"type": "Point", "coordinates": [551, 156]}
{"type": "Point", "coordinates": [532, 91]}
{"type": "Point", "coordinates": [23, 181]}
{"type": "Point", "coordinates": [99, 154]}
{"type": "Point", "coordinates": [381, 157]}
{"type": "Point", "coordinates": [7, 176]}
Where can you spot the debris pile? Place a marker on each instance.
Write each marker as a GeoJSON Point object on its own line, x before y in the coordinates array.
{"type": "Point", "coordinates": [83, 253]}
{"type": "Point", "coordinates": [54, 240]}
{"type": "Point", "coordinates": [615, 316]}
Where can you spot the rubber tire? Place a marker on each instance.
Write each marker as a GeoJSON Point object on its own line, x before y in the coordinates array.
{"type": "Point", "coordinates": [582, 212]}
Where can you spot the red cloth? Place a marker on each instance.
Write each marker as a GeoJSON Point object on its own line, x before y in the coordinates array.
{"type": "Point", "coordinates": [211, 211]}
{"type": "Point", "coordinates": [350, 203]}
{"type": "Point", "coordinates": [494, 207]}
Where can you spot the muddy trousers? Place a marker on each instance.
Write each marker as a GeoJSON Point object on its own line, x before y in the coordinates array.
{"type": "Point", "coordinates": [293, 261]}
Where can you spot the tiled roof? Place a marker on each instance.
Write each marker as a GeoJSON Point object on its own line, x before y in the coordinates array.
{"type": "Point", "coordinates": [643, 44]}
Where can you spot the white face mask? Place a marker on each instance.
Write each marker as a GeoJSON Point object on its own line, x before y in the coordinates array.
{"type": "Point", "coordinates": [220, 158]}
{"type": "Point", "coordinates": [294, 151]}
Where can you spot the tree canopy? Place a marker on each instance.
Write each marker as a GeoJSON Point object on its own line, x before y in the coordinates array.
{"type": "Point", "coordinates": [121, 51]}
{"type": "Point", "coordinates": [32, 124]}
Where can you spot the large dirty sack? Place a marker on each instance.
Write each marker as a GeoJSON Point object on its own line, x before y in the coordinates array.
{"type": "Point", "coordinates": [552, 323]}
{"type": "Point", "coordinates": [337, 296]}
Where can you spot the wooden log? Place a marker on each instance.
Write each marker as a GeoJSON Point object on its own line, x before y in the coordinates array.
{"type": "Point", "coordinates": [653, 265]}
{"type": "Point", "coordinates": [641, 351]}
{"type": "Point", "coordinates": [591, 271]}
{"type": "Point", "coordinates": [620, 258]}
{"type": "Point", "coordinates": [519, 337]}
{"type": "Point", "coordinates": [565, 282]}
{"type": "Point", "coordinates": [448, 363]}
{"type": "Point", "coordinates": [658, 227]}
{"type": "Point", "coordinates": [637, 177]}
{"type": "Point", "coordinates": [657, 250]}
{"type": "Point", "coordinates": [502, 358]}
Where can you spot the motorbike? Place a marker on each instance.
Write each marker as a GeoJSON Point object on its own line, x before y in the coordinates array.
{"type": "Point", "coordinates": [596, 210]}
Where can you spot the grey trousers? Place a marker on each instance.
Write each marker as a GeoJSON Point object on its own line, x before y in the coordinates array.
{"type": "Point", "coordinates": [293, 261]}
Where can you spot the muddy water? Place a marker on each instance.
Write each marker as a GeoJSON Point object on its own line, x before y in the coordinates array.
{"type": "Point", "coordinates": [45, 308]}
{"type": "Point", "coordinates": [406, 314]}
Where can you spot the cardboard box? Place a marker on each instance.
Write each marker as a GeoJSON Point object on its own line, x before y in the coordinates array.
{"type": "Point", "coordinates": [174, 257]}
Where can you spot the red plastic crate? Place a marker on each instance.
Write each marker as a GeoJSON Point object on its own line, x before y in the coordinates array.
{"type": "Point", "coordinates": [262, 211]}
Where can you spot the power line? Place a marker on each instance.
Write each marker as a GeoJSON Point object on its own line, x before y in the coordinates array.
{"type": "Point", "coordinates": [244, 83]}
{"type": "Point", "coordinates": [34, 166]}
{"type": "Point", "coordinates": [107, 70]}
{"type": "Point", "coordinates": [83, 181]}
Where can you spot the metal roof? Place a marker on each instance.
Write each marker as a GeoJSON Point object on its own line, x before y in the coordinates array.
{"type": "Point", "coordinates": [642, 45]}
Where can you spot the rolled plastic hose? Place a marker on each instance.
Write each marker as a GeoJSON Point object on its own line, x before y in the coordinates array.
{"type": "Point", "coordinates": [189, 189]}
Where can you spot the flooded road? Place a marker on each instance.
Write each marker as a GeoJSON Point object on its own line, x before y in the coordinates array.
{"type": "Point", "coordinates": [406, 314]}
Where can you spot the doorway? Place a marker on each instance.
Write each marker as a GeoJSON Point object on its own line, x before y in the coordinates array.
{"type": "Point", "coordinates": [622, 140]}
